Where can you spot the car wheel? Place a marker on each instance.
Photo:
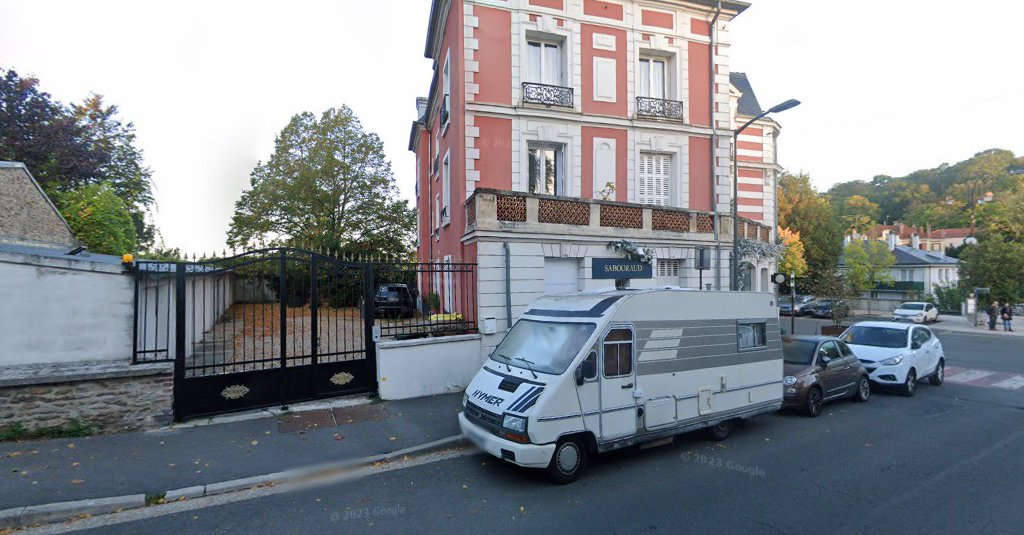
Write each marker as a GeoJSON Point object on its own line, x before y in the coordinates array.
{"type": "Point", "coordinates": [910, 385]}
{"type": "Point", "coordinates": [939, 375]}
{"type": "Point", "coordinates": [721, 430]}
{"type": "Point", "coordinates": [815, 399]}
{"type": "Point", "coordinates": [863, 392]}
{"type": "Point", "coordinates": [568, 461]}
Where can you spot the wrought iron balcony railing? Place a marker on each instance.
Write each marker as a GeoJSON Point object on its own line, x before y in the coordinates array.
{"type": "Point", "coordinates": [659, 107]}
{"type": "Point", "coordinates": [444, 109]}
{"type": "Point", "coordinates": [548, 95]}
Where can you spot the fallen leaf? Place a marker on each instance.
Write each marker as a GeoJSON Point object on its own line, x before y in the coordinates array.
{"type": "Point", "coordinates": [77, 481]}
{"type": "Point", "coordinates": [254, 442]}
{"type": "Point", "coordinates": [14, 454]}
{"type": "Point", "coordinates": [71, 446]}
{"type": "Point", "coordinates": [74, 464]}
{"type": "Point", "coordinates": [266, 432]}
{"type": "Point", "coordinates": [465, 487]}
{"type": "Point", "coordinates": [392, 438]}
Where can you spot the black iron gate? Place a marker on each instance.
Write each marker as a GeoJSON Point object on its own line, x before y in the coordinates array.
{"type": "Point", "coordinates": [263, 328]}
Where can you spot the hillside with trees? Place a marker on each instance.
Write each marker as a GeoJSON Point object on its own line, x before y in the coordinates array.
{"type": "Point", "coordinates": [985, 191]}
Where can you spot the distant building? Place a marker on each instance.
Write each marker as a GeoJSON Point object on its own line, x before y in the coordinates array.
{"type": "Point", "coordinates": [935, 240]}
{"type": "Point", "coordinates": [916, 273]}
{"type": "Point", "coordinates": [27, 216]}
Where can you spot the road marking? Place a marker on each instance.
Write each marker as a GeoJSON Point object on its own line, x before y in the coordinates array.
{"type": "Point", "coordinates": [967, 376]}
{"type": "Point", "coordinates": [1012, 383]}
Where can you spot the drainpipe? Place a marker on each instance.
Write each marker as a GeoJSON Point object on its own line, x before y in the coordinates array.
{"type": "Point", "coordinates": [714, 144]}
{"type": "Point", "coordinates": [508, 286]}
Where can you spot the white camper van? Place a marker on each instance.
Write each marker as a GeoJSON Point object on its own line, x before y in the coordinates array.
{"type": "Point", "coordinates": [595, 371]}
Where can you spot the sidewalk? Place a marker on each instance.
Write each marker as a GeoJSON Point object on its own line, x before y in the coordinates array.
{"type": "Point", "coordinates": [950, 323]}
{"type": "Point", "coordinates": [47, 471]}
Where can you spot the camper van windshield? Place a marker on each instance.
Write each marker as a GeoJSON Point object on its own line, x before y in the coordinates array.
{"type": "Point", "coordinates": [548, 346]}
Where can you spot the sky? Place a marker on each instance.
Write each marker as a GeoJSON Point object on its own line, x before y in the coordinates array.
{"type": "Point", "coordinates": [887, 87]}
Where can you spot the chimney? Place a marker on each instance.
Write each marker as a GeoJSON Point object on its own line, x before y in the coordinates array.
{"type": "Point", "coordinates": [915, 241]}
{"type": "Point", "coordinates": [892, 241]}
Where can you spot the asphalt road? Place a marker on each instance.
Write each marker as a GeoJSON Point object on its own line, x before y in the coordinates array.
{"type": "Point", "coordinates": [945, 461]}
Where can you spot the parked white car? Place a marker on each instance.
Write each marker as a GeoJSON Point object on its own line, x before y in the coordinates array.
{"type": "Point", "coordinates": [916, 312]}
{"type": "Point", "coordinates": [897, 354]}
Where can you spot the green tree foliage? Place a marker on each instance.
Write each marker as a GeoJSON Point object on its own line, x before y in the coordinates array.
{"type": "Point", "coordinates": [327, 186]}
{"type": "Point", "coordinates": [868, 262]}
{"type": "Point", "coordinates": [858, 213]}
{"type": "Point", "coordinates": [99, 218]}
{"type": "Point", "coordinates": [68, 147]}
{"type": "Point", "coordinates": [803, 210]}
{"type": "Point", "coordinates": [997, 264]}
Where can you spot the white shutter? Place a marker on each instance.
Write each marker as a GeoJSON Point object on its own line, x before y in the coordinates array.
{"type": "Point", "coordinates": [655, 170]}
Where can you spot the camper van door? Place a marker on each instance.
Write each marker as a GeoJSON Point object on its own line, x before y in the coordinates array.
{"type": "Point", "coordinates": [618, 380]}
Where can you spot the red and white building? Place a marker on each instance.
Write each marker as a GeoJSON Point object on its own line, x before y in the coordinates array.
{"type": "Point", "coordinates": [553, 127]}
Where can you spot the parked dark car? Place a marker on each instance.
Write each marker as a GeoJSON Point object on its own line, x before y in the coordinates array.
{"type": "Point", "coordinates": [394, 300]}
{"type": "Point", "coordinates": [804, 305]}
{"type": "Point", "coordinates": [823, 309]}
{"type": "Point", "coordinates": [819, 369]}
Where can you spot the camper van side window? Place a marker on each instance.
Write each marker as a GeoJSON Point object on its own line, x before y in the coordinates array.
{"type": "Point", "coordinates": [590, 366]}
{"type": "Point", "coordinates": [751, 335]}
{"type": "Point", "coordinates": [618, 353]}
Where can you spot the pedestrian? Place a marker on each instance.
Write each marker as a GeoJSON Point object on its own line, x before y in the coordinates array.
{"type": "Point", "coordinates": [1007, 315]}
{"type": "Point", "coordinates": [993, 312]}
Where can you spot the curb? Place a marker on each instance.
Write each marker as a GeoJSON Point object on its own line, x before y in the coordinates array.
{"type": "Point", "coordinates": [32, 515]}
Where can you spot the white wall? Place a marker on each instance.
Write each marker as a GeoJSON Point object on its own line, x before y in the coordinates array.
{"type": "Point", "coordinates": [62, 311]}
{"type": "Point", "coordinates": [427, 366]}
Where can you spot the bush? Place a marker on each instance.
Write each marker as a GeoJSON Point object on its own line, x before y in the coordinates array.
{"type": "Point", "coordinates": [99, 218]}
{"type": "Point", "coordinates": [947, 298]}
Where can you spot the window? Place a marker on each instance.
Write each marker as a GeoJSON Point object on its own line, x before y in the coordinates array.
{"type": "Point", "coordinates": [446, 84]}
{"type": "Point", "coordinates": [920, 337]}
{"type": "Point", "coordinates": [653, 79]}
{"type": "Point", "coordinates": [544, 63]}
{"type": "Point", "coordinates": [550, 347]}
{"type": "Point", "coordinates": [655, 170]}
{"type": "Point", "coordinates": [618, 353]}
{"type": "Point", "coordinates": [751, 335]}
{"type": "Point", "coordinates": [547, 169]}
{"type": "Point", "coordinates": [437, 215]}
{"type": "Point", "coordinates": [828, 349]}
{"type": "Point", "coordinates": [845, 349]}
{"type": "Point", "coordinates": [668, 268]}
{"type": "Point", "coordinates": [446, 191]}
{"type": "Point", "coordinates": [589, 365]}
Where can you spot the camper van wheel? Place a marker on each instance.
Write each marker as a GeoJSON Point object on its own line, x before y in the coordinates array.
{"type": "Point", "coordinates": [721, 430]}
{"type": "Point", "coordinates": [568, 460]}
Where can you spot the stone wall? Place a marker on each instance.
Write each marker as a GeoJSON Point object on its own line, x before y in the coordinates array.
{"type": "Point", "coordinates": [26, 214]}
{"type": "Point", "coordinates": [107, 397]}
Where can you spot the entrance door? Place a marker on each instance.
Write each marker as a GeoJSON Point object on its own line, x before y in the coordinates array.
{"type": "Point", "coordinates": [561, 275]}
{"type": "Point", "coordinates": [618, 381]}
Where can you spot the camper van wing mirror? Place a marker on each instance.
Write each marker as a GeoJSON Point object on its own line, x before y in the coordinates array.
{"type": "Point", "coordinates": [579, 375]}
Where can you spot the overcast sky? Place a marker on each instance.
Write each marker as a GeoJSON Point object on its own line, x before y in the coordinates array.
{"type": "Point", "coordinates": [887, 87]}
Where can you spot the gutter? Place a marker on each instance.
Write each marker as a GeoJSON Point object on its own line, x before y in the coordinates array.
{"type": "Point", "coordinates": [714, 143]}
{"type": "Point", "coordinates": [508, 286]}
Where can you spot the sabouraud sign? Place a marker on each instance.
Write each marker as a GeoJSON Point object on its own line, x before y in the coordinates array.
{"type": "Point", "coordinates": [620, 268]}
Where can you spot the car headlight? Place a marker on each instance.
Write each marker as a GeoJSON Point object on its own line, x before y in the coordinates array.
{"type": "Point", "coordinates": [892, 361]}
{"type": "Point", "coordinates": [514, 423]}
{"type": "Point", "coordinates": [789, 380]}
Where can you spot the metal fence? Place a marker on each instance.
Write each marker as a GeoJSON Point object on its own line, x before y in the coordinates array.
{"type": "Point", "coordinates": [413, 300]}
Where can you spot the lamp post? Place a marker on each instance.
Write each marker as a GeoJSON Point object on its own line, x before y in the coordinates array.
{"type": "Point", "coordinates": [735, 267]}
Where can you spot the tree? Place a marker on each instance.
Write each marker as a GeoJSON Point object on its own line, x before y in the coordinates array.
{"type": "Point", "coordinates": [327, 186]}
{"type": "Point", "coordinates": [868, 262]}
{"type": "Point", "coordinates": [100, 219]}
{"type": "Point", "coordinates": [859, 214]}
{"type": "Point", "coordinates": [997, 264]}
{"type": "Point", "coordinates": [793, 259]}
{"type": "Point", "coordinates": [67, 148]}
{"type": "Point", "coordinates": [122, 165]}
{"type": "Point", "coordinates": [834, 287]}
{"type": "Point", "coordinates": [803, 210]}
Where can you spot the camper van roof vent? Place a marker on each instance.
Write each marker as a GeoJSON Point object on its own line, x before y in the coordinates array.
{"type": "Point", "coordinates": [510, 384]}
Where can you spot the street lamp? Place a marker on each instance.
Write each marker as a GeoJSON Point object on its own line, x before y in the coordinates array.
{"type": "Point", "coordinates": [735, 268]}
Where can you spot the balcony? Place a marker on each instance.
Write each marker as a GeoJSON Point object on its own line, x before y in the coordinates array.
{"type": "Point", "coordinates": [548, 95]}
{"type": "Point", "coordinates": [659, 108]}
{"type": "Point", "coordinates": [489, 210]}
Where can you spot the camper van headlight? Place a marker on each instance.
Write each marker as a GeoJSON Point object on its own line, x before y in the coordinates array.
{"type": "Point", "coordinates": [465, 400]}
{"type": "Point", "coordinates": [789, 380]}
{"type": "Point", "coordinates": [514, 423]}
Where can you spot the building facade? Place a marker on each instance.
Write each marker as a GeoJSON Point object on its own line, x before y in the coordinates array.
{"type": "Point", "coordinates": [553, 127]}
{"type": "Point", "coordinates": [934, 240]}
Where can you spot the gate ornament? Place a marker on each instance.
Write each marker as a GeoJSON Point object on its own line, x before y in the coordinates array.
{"type": "Point", "coordinates": [234, 392]}
{"type": "Point", "coordinates": [342, 378]}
